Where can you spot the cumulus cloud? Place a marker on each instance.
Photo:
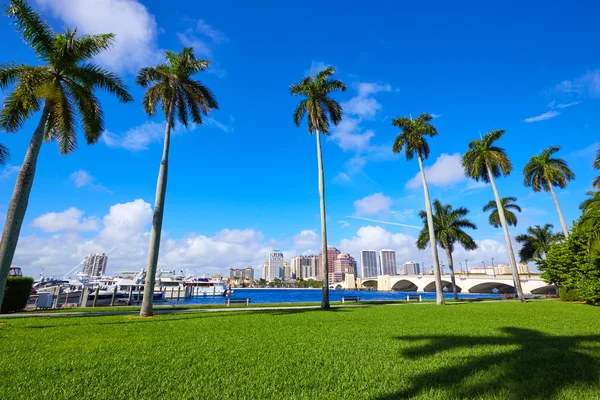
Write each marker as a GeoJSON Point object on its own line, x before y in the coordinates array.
{"type": "Point", "coordinates": [373, 204]}
{"type": "Point", "coordinates": [307, 239]}
{"type": "Point", "coordinates": [542, 117]}
{"type": "Point", "coordinates": [68, 220]}
{"type": "Point", "coordinates": [447, 170]}
{"type": "Point", "coordinates": [364, 105]}
{"type": "Point", "coordinates": [137, 138]}
{"type": "Point", "coordinates": [134, 26]}
{"type": "Point", "coordinates": [83, 178]}
{"type": "Point", "coordinates": [350, 137]}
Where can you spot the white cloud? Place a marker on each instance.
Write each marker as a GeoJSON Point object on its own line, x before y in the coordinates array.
{"type": "Point", "coordinates": [364, 105]}
{"type": "Point", "coordinates": [315, 67]}
{"type": "Point", "coordinates": [349, 137]}
{"type": "Point", "coordinates": [373, 204]}
{"type": "Point", "coordinates": [307, 239]}
{"type": "Point", "coordinates": [9, 171]}
{"type": "Point", "coordinates": [213, 122]}
{"type": "Point", "coordinates": [542, 117]}
{"type": "Point", "coordinates": [344, 224]}
{"type": "Point", "coordinates": [565, 105]}
{"type": "Point", "coordinates": [134, 26]}
{"type": "Point", "coordinates": [447, 170]}
{"type": "Point", "coordinates": [201, 48]}
{"type": "Point", "coordinates": [586, 86]}
{"type": "Point", "coordinates": [437, 115]}
{"type": "Point", "coordinates": [217, 36]}
{"type": "Point", "coordinates": [379, 221]}
{"type": "Point", "coordinates": [137, 138]}
{"type": "Point", "coordinates": [68, 220]}
{"type": "Point", "coordinates": [83, 178]}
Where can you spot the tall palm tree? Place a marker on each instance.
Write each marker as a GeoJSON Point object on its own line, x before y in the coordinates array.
{"type": "Point", "coordinates": [320, 109]}
{"type": "Point", "coordinates": [596, 165]}
{"type": "Point", "coordinates": [63, 89]}
{"type": "Point", "coordinates": [413, 140]}
{"type": "Point", "coordinates": [537, 241]}
{"type": "Point", "coordinates": [180, 96]}
{"type": "Point", "coordinates": [486, 161]}
{"type": "Point", "coordinates": [543, 172]}
{"type": "Point", "coordinates": [507, 204]}
{"type": "Point", "coordinates": [449, 225]}
{"type": "Point", "coordinates": [4, 155]}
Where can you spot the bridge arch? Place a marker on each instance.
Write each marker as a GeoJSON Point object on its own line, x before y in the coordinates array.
{"type": "Point", "coordinates": [370, 284]}
{"type": "Point", "coordinates": [544, 289]}
{"type": "Point", "coordinates": [492, 287]}
{"type": "Point", "coordinates": [446, 285]}
{"type": "Point", "coordinates": [405, 285]}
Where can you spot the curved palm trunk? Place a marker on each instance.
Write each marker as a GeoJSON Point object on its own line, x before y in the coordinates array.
{"type": "Point", "coordinates": [560, 214]}
{"type": "Point", "coordinates": [511, 253]}
{"type": "Point", "coordinates": [452, 277]}
{"type": "Point", "coordinates": [18, 203]}
{"type": "Point", "coordinates": [159, 207]}
{"type": "Point", "coordinates": [439, 294]}
{"type": "Point", "coordinates": [325, 297]}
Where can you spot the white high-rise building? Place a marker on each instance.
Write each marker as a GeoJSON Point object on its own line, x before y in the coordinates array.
{"type": "Point", "coordinates": [410, 268]}
{"type": "Point", "coordinates": [296, 267]}
{"type": "Point", "coordinates": [310, 265]}
{"type": "Point", "coordinates": [275, 265]}
{"type": "Point", "coordinates": [387, 260]}
{"type": "Point", "coordinates": [95, 264]}
{"type": "Point", "coordinates": [368, 264]}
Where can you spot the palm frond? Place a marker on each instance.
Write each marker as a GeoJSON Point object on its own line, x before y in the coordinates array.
{"type": "Point", "coordinates": [37, 33]}
{"type": "Point", "coordinates": [97, 77]}
{"type": "Point", "coordinates": [89, 110]}
{"type": "Point", "coordinates": [89, 46]}
{"type": "Point", "coordinates": [4, 155]}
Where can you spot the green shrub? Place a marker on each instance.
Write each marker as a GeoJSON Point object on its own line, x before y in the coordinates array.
{"type": "Point", "coordinates": [568, 294]}
{"type": "Point", "coordinates": [18, 290]}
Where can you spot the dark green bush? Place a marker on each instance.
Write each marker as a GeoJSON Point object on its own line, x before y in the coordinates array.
{"type": "Point", "coordinates": [568, 294]}
{"type": "Point", "coordinates": [18, 289]}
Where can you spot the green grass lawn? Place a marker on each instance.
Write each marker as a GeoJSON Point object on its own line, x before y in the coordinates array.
{"type": "Point", "coordinates": [538, 350]}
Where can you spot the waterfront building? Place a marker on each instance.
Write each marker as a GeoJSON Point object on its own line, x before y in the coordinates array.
{"type": "Point", "coordinates": [265, 271]}
{"type": "Point", "coordinates": [287, 270]}
{"type": "Point", "coordinates": [482, 270]}
{"type": "Point", "coordinates": [332, 254]}
{"type": "Point", "coordinates": [342, 263]}
{"type": "Point", "coordinates": [410, 268]}
{"type": "Point", "coordinates": [310, 267]}
{"type": "Point", "coordinates": [95, 264]}
{"type": "Point", "coordinates": [368, 263]}
{"type": "Point", "coordinates": [249, 273]}
{"type": "Point", "coordinates": [504, 269]}
{"type": "Point", "coordinates": [387, 260]}
{"type": "Point", "coordinates": [296, 267]}
{"type": "Point", "coordinates": [275, 265]}
{"type": "Point", "coordinates": [235, 273]}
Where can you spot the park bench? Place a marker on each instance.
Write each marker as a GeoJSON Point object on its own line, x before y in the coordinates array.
{"type": "Point", "coordinates": [350, 298]}
{"type": "Point", "coordinates": [416, 297]}
{"type": "Point", "coordinates": [239, 300]}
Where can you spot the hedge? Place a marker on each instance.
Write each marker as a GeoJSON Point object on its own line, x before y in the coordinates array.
{"type": "Point", "coordinates": [568, 294]}
{"type": "Point", "coordinates": [18, 290]}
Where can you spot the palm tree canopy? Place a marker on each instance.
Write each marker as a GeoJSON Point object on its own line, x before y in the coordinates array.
{"type": "Point", "coordinates": [172, 82]}
{"type": "Point", "coordinates": [543, 170]}
{"type": "Point", "coordinates": [449, 225]}
{"type": "Point", "coordinates": [484, 153]}
{"type": "Point", "coordinates": [508, 204]}
{"type": "Point", "coordinates": [4, 155]}
{"type": "Point", "coordinates": [317, 103]}
{"type": "Point", "coordinates": [596, 165]}
{"type": "Point", "coordinates": [537, 241]}
{"type": "Point", "coordinates": [413, 135]}
{"type": "Point", "coordinates": [66, 82]}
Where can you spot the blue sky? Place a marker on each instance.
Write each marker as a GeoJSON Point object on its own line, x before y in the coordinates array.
{"type": "Point", "coordinates": [246, 181]}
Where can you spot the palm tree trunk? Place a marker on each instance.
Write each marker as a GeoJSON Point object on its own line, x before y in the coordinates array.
{"type": "Point", "coordinates": [452, 277]}
{"type": "Point", "coordinates": [157, 219]}
{"type": "Point", "coordinates": [439, 294]}
{"type": "Point", "coordinates": [560, 214]}
{"type": "Point", "coordinates": [325, 297]}
{"type": "Point", "coordinates": [20, 198]}
{"type": "Point", "coordinates": [511, 253]}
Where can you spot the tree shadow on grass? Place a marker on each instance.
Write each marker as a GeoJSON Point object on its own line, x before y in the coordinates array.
{"type": "Point", "coordinates": [521, 364]}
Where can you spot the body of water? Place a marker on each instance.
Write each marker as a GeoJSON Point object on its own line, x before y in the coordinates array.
{"type": "Point", "coordinates": [261, 296]}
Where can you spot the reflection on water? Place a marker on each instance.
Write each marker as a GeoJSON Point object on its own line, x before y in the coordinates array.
{"type": "Point", "coordinates": [259, 296]}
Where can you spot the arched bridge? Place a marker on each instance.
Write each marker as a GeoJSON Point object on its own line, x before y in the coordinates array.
{"type": "Point", "coordinates": [466, 284]}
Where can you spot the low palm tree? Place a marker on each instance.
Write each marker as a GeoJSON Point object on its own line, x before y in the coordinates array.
{"type": "Point", "coordinates": [537, 241]}
{"type": "Point", "coordinates": [320, 109]}
{"type": "Point", "coordinates": [63, 89]}
{"type": "Point", "coordinates": [596, 165]}
{"type": "Point", "coordinates": [543, 172]}
{"type": "Point", "coordinates": [590, 220]}
{"type": "Point", "coordinates": [507, 204]}
{"type": "Point", "coordinates": [485, 161]}
{"type": "Point", "coordinates": [412, 140]}
{"type": "Point", "coordinates": [4, 155]}
{"type": "Point", "coordinates": [449, 225]}
{"type": "Point", "coordinates": [180, 96]}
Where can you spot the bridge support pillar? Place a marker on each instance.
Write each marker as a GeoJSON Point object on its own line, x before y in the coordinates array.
{"type": "Point", "coordinates": [384, 283]}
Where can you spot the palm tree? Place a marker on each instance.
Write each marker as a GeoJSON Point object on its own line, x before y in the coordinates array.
{"type": "Point", "coordinates": [596, 165]}
{"type": "Point", "coordinates": [413, 140]}
{"type": "Point", "coordinates": [63, 89]}
{"type": "Point", "coordinates": [486, 161]}
{"type": "Point", "coordinates": [507, 204]}
{"type": "Point", "coordinates": [590, 220]}
{"type": "Point", "coordinates": [537, 241]}
{"type": "Point", "coordinates": [4, 155]}
{"type": "Point", "coordinates": [320, 109]}
{"type": "Point", "coordinates": [448, 225]}
{"type": "Point", "coordinates": [180, 96]}
{"type": "Point", "coordinates": [543, 172]}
